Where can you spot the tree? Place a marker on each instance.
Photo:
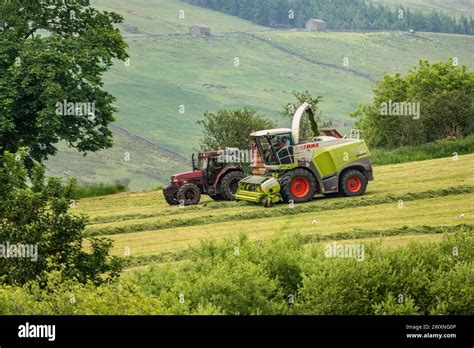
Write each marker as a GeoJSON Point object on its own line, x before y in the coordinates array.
{"type": "Point", "coordinates": [231, 128]}
{"type": "Point", "coordinates": [39, 235]}
{"type": "Point", "coordinates": [448, 114]}
{"type": "Point", "coordinates": [444, 93]}
{"type": "Point", "coordinates": [53, 55]}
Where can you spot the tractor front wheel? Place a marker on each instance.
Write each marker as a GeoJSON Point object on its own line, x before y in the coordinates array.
{"type": "Point", "coordinates": [298, 186]}
{"type": "Point", "coordinates": [353, 183]}
{"type": "Point", "coordinates": [189, 194]}
{"type": "Point", "coordinates": [171, 196]}
{"type": "Point", "coordinates": [230, 184]}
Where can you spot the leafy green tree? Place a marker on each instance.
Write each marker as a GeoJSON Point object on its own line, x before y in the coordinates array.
{"type": "Point", "coordinates": [444, 92]}
{"type": "Point", "coordinates": [35, 218]}
{"type": "Point", "coordinates": [231, 128]}
{"type": "Point", "coordinates": [54, 53]}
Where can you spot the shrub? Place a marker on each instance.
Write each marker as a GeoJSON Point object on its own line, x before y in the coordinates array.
{"type": "Point", "coordinates": [238, 276]}
{"type": "Point", "coordinates": [35, 214]}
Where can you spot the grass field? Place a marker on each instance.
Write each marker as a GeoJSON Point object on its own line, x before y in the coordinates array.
{"type": "Point", "coordinates": [410, 201]}
{"type": "Point", "coordinates": [172, 79]}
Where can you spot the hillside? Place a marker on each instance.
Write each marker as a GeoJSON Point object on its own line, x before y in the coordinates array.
{"type": "Point", "coordinates": [453, 7]}
{"type": "Point", "coordinates": [171, 16]}
{"type": "Point", "coordinates": [133, 160]}
{"type": "Point", "coordinates": [173, 78]}
{"type": "Point", "coordinates": [397, 207]}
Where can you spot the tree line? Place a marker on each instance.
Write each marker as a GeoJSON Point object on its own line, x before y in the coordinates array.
{"type": "Point", "coordinates": [339, 15]}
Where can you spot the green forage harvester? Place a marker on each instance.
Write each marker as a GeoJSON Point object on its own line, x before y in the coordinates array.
{"type": "Point", "coordinates": [295, 170]}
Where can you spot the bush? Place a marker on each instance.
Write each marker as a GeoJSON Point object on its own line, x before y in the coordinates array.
{"type": "Point", "coordinates": [238, 276]}
{"type": "Point", "coordinates": [444, 98]}
{"type": "Point", "coordinates": [34, 217]}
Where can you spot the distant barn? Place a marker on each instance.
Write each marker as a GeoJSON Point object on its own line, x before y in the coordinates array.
{"type": "Point", "coordinates": [316, 25]}
{"type": "Point", "coordinates": [200, 30]}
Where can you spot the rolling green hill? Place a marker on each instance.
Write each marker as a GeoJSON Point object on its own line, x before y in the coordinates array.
{"type": "Point", "coordinates": [172, 78]}
{"type": "Point", "coordinates": [171, 16]}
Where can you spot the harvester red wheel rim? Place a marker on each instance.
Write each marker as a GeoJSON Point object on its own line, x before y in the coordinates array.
{"type": "Point", "coordinates": [300, 187]}
{"type": "Point", "coordinates": [354, 184]}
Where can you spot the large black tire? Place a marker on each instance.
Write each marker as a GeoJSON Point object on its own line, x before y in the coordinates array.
{"type": "Point", "coordinates": [171, 196]}
{"type": "Point", "coordinates": [352, 183]}
{"type": "Point", "coordinates": [298, 186]}
{"type": "Point", "coordinates": [230, 184]}
{"type": "Point", "coordinates": [217, 197]}
{"type": "Point", "coordinates": [172, 200]}
{"type": "Point", "coordinates": [189, 194]}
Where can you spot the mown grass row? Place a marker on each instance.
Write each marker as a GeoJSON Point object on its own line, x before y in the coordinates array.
{"type": "Point", "coordinates": [282, 210]}
{"type": "Point", "coordinates": [206, 206]}
{"type": "Point", "coordinates": [398, 178]}
{"type": "Point", "coordinates": [180, 255]}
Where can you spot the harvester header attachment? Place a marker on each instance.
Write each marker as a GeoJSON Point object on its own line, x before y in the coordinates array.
{"type": "Point", "coordinates": [259, 189]}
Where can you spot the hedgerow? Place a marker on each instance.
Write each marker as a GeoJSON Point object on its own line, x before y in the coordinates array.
{"type": "Point", "coordinates": [241, 277]}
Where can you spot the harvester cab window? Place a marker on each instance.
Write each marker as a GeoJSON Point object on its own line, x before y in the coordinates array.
{"type": "Point", "coordinates": [284, 151]}
{"type": "Point", "coordinates": [276, 149]}
{"type": "Point", "coordinates": [268, 147]}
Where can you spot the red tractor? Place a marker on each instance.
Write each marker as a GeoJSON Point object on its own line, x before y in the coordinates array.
{"type": "Point", "coordinates": [213, 175]}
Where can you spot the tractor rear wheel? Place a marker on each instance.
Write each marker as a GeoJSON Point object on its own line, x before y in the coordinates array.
{"type": "Point", "coordinates": [298, 186]}
{"type": "Point", "coordinates": [189, 194]}
{"type": "Point", "coordinates": [353, 183]}
{"type": "Point", "coordinates": [230, 184]}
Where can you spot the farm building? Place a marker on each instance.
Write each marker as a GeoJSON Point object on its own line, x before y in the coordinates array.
{"type": "Point", "coordinates": [199, 30]}
{"type": "Point", "coordinates": [316, 25]}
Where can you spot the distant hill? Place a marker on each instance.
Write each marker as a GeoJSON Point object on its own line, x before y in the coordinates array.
{"type": "Point", "coordinates": [171, 79]}
{"type": "Point", "coordinates": [452, 7]}
{"type": "Point", "coordinates": [133, 161]}
{"type": "Point", "coordinates": [350, 14]}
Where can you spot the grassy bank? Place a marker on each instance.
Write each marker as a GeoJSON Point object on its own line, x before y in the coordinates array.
{"type": "Point", "coordinates": [423, 152]}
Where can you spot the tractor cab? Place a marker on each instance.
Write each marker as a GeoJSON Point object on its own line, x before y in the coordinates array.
{"type": "Point", "coordinates": [210, 164]}
{"type": "Point", "coordinates": [275, 145]}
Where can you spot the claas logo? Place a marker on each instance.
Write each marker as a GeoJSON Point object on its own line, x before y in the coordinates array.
{"type": "Point", "coordinates": [310, 146]}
